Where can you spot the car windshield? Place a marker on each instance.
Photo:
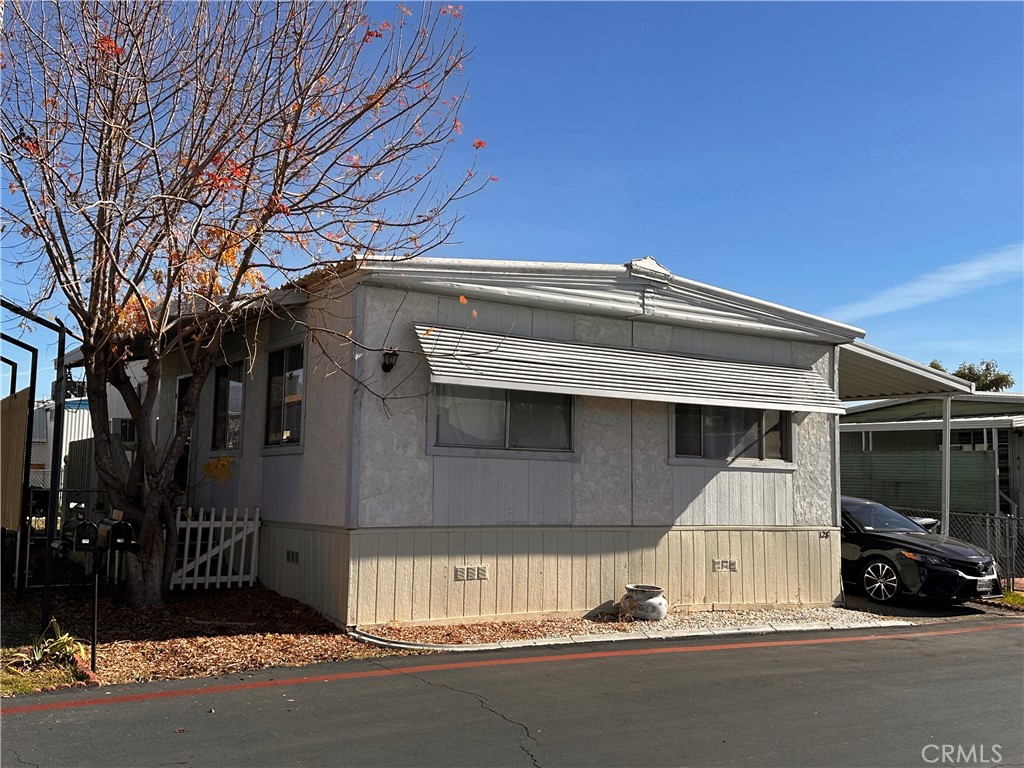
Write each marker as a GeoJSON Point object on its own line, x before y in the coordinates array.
{"type": "Point", "coordinates": [876, 517]}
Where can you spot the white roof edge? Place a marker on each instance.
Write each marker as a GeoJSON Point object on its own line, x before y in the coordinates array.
{"type": "Point", "coordinates": [931, 424]}
{"type": "Point", "coordinates": [646, 269]}
{"type": "Point", "coordinates": [954, 383]}
{"type": "Point", "coordinates": [973, 397]}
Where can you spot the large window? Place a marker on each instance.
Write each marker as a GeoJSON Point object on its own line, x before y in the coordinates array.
{"type": "Point", "coordinates": [714, 432]}
{"type": "Point", "coordinates": [284, 396]}
{"type": "Point", "coordinates": [227, 407]}
{"type": "Point", "coordinates": [498, 418]}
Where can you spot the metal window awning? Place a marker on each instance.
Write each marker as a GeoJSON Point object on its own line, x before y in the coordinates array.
{"type": "Point", "coordinates": [480, 359]}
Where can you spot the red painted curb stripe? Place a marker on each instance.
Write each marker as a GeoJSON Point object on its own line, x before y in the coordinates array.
{"type": "Point", "coordinates": [423, 668]}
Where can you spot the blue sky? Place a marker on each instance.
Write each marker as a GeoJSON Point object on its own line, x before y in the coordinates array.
{"type": "Point", "coordinates": [860, 161]}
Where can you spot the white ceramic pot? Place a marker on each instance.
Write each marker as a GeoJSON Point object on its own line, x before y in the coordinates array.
{"type": "Point", "coordinates": [645, 602]}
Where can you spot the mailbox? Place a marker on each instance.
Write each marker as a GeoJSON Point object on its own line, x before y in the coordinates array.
{"type": "Point", "coordinates": [115, 535]}
{"type": "Point", "coordinates": [79, 535]}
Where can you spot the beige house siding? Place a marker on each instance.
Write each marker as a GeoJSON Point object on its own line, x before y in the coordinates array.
{"type": "Point", "coordinates": [317, 573]}
{"type": "Point", "coordinates": [408, 574]}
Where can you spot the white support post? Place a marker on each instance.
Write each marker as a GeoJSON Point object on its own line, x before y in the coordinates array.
{"type": "Point", "coordinates": [947, 410]}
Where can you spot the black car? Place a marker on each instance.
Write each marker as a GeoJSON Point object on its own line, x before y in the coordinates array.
{"type": "Point", "coordinates": [888, 556]}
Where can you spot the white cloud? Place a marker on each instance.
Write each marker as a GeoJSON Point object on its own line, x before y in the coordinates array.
{"type": "Point", "coordinates": [992, 268]}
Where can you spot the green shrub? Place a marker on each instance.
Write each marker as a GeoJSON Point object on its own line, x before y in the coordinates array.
{"type": "Point", "coordinates": [52, 647]}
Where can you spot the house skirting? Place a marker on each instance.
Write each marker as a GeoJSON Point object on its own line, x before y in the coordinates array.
{"type": "Point", "coordinates": [409, 574]}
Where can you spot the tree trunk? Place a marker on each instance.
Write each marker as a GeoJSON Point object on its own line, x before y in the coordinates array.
{"type": "Point", "coordinates": [146, 567]}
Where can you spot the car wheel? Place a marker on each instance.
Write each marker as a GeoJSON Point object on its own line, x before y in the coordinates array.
{"type": "Point", "coordinates": [880, 581]}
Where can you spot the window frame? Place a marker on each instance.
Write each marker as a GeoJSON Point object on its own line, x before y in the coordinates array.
{"type": "Point", "coordinates": [551, 454]}
{"type": "Point", "coordinates": [281, 447]}
{"type": "Point", "coordinates": [236, 451]}
{"type": "Point", "coordinates": [745, 463]}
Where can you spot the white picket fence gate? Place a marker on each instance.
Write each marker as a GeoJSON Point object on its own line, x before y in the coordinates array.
{"type": "Point", "coordinates": [217, 548]}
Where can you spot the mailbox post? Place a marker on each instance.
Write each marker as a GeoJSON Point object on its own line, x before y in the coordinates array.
{"type": "Point", "coordinates": [110, 535]}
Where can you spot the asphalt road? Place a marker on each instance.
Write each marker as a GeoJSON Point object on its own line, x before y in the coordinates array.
{"type": "Point", "coordinates": [941, 694]}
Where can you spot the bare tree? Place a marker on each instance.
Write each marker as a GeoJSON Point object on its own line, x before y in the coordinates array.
{"type": "Point", "coordinates": [167, 163]}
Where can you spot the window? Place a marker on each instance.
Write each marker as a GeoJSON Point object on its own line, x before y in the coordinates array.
{"type": "Point", "coordinates": [499, 418]}
{"type": "Point", "coordinates": [284, 396]}
{"type": "Point", "coordinates": [714, 432]}
{"type": "Point", "coordinates": [227, 407]}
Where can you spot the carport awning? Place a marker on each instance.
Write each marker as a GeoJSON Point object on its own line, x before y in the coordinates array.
{"type": "Point", "coordinates": [480, 359]}
{"type": "Point", "coordinates": [869, 373]}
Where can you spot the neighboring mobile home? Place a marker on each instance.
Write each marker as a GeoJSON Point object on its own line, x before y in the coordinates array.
{"type": "Point", "coordinates": [890, 452]}
{"type": "Point", "coordinates": [545, 434]}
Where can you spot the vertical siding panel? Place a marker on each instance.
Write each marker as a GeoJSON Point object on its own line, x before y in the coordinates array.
{"type": "Point", "coordinates": [797, 558]}
{"type": "Point", "coordinates": [441, 501]}
{"type": "Point", "coordinates": [456, 607]}
{"type": "Point", "coordinates": [367, 596]}
{"type": "Point", "coordinates": [506, 494]}
{"type": "Point", "coordinates": [504, 573]}
{"type": "Point", "coordinates": [673, 580]}
{"type": "Point", "coordinates": [354, 584]}
{"type": "Point", "coordinates": [386, 554]}
{"type": "Point", "coordinates": [657, 541]}
{"type": "Point", "coordinates": [520, 571]}
{"type": "Point", "coordinates": [748, 571]}
{"type": "Point", "coordinates": [421, 575]}
{"type": "Point", "coordinates": [758, 540]}
{"type": "Point", "coordinates": [440, 574]}
{"type": "Point", "coordinates": [635, 571]}
{"type": "Point", "coordinates": [580, 598]}
{"type": "Point", "coordinates": [620, 565]}
{"type": "Point", "coordinates": [474, 589]}
{"type": "Point", "coordinates": [488, 557]}
{"type": "Point", "coordinates": [521, 493]}
{"type": "Point", "coordinates": [681, 552]}
{"type": "Point", "coordinates": [563, 554]}
{"type": "Point", "coordinates": [535, 594]}
{"type": "Point", "coordinates": [489, 493]}
{"type": "Point", "coordinates": [701, 592]}
{"type": "Point", "coordinates": [600, 543]}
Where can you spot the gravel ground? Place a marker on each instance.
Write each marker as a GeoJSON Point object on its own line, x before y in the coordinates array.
{"type": "Point", "coordinates": [857, 612]}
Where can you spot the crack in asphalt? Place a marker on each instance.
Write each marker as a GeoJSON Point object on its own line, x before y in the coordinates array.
{"type": "Point", "coordinates": [17, 756]}
{"type": "Point", "coordinates": [482, 701]}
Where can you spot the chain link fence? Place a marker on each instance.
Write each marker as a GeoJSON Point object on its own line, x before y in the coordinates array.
{"type": "Point", "coordinates": [1000, 534]}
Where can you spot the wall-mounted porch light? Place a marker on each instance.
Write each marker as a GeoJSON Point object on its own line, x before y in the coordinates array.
{"type": "Point", "coordinates": [388, 358]}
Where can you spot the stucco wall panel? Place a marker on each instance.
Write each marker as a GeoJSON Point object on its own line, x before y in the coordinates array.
{"type": "Point", "coordinates": [652, 477]}
{"type": "Point", "coordinates": [602, 486]}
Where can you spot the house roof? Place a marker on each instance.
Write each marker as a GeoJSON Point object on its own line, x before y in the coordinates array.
{"type": "Point", "coordinates": [870, 373]}
{"type": "Point", "coordinates": [979, 405]}
{"type": "Point", "coordinates": [640, 290]}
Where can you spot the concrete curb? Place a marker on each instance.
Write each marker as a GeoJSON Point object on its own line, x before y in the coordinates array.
{"type": "Point", "coordinates": [614, 637]}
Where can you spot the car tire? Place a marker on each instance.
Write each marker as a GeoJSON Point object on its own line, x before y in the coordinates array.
{"type": "Point", "coordinates": [880, 581]}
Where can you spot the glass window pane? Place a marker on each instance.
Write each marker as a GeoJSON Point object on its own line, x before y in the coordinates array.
{"type": "Point", "coordinates": [731, 433]}
{"type": "Point", "coordinates": [227, 407]}
{"type": "Point", "coordinates": [689, 439]}
{"type": "Point", "coordinates": [540, 420]}
{"type": "Point", "coordinates": [777, 433]}
{"type": "Point", "coordinates": [275, 396]}
{"type": "Point", "coordinates": [285, 384]}
{"type": "Point", "coordinates": [470, 416]}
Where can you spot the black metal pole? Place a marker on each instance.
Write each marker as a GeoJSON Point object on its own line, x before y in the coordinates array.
{"type": "Point", "coordinates": [14, 372]}
{"type": "Point", "coordinates": [58, 446]}
{"type": "Point", "coordinates": [56, 460]}
{"type": "Point", "coordinates": [95, 607]}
